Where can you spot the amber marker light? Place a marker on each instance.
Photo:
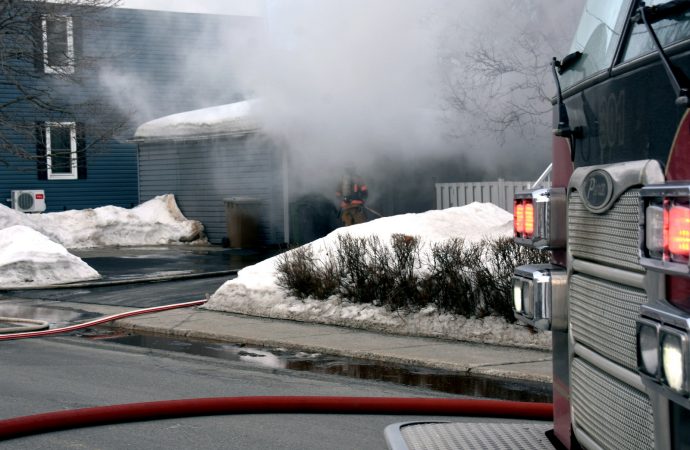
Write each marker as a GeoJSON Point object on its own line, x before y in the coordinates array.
{"type": "Point", "coordinates": [679, 233]}
{"type": "Point", "coordinates": [518, 217]}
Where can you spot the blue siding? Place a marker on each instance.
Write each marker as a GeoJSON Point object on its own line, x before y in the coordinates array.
{"type": "Point", "coordinates": [148, 49]}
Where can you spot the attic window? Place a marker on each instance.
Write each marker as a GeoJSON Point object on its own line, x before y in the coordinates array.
{"type": "Point", "coordinates": [58, 44]}
{"type": "Point", "coordinates": [61, 150]}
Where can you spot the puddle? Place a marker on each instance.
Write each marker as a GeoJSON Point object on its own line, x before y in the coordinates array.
{"type": "Point", "coordinates": [55, 317]}
{"type": "Point", "coordinates": [438, 380]}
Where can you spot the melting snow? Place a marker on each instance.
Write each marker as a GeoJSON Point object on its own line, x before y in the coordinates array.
{"type": "Point", "coordinates": [32, 246]}
{"type": "Point", "coordinates": [28, 258]}
{"type": "Point", "coordinates": [155, 222]}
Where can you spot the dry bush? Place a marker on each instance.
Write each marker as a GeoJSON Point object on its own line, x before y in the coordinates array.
{"type": "Point", "coordinates": [468, 279]}
{"type": "Point", "coordinates": [356, 283]}
{"type": "Point", "coordinates": [303, 276]}
{"type": "Point", "coordinates": [401, 274]}
{"type": "Point", "coordinates": [501, 257]}
{"type": "Point", "coordinates": [450, 284]}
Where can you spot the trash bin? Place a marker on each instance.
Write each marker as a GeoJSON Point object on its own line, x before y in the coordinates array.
{"type": "Point", "coordinates": [242, 215]}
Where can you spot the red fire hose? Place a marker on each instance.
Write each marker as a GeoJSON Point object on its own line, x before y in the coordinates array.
{"type": "Point", "coordinates": [31, 334]}
{"type": "Point", "coordinates": [133, 412]}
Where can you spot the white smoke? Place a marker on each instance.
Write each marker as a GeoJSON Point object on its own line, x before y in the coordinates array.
{"type": "Point", "coordinates": [351, 82]}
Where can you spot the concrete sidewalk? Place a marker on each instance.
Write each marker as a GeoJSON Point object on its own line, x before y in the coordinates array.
{"type": "Point", "coordinates": [477, 359]}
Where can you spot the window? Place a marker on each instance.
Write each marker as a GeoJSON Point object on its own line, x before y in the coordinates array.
{"type": "Point", "coordinates": [61, 151]}
{"type": "Point", "coordinates": [673, 29]}
{"type": "Point", "coordinates": [58, 44]}
{"type": "Point", "coordinates": [597, 37]}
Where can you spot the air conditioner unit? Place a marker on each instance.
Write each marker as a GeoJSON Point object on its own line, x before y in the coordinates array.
{"type": "Point", "coordinates": [29, 200]}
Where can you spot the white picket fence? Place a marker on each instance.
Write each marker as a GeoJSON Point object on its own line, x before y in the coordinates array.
{"type": "Point", "coordinates": [499, 193]}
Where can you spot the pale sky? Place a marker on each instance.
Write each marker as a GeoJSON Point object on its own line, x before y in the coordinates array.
{"type": "Point", "coordinates": [231, 7]}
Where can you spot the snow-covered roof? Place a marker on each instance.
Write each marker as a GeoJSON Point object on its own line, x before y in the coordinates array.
{"type": "Point", "coordinates": [231, 119]}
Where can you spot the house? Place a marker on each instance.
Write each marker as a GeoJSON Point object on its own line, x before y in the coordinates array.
{"type": "Point", "coordinates": [111, 69]}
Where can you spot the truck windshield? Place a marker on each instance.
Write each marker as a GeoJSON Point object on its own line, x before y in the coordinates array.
{"type": "Point", "coordinates": [597, 37]}
{"type": "Point", "coordinates": [670, 30]}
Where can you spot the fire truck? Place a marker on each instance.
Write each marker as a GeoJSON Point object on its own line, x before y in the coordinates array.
{"type": "Point", "coordinates": [616, 219]}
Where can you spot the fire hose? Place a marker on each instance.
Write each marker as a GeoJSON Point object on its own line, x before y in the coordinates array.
{"type": "Point", "coordinates": [91, 323]}
{"type": "Point", "coordinates": [169, 409]}
{"type": "Point", "coordinates": [32, 325]}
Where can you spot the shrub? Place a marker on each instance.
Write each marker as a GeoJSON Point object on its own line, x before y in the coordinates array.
{"type": "Point", "coordinates": [356, 272]}
{"type": "Point", "coordinates": [501, 257]}
{"type": "Point", "coordinates": [303, 276]}
{"type": "Point", "coordinates": [450, 283]}
{"type": "Point", "coordinates": [469, 279]}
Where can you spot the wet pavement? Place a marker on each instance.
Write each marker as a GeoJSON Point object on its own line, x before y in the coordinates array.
{"type": "Point", "coordinates": [130, 263]}
{"type": "Point", "coordinates": [56, 316]}
{"type": "Point", "coordinates": [142, 277]}
{"type": "Point", "coordinates": [136, 295]}
{"type": "Point", "coordinates": [281, 358]}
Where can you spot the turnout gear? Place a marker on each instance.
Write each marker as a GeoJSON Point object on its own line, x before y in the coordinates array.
{"type": "Point", "coordinates": [352, 193]}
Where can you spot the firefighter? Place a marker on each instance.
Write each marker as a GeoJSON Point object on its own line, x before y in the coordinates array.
{"type": "Point", "coordinates": [352, 193]}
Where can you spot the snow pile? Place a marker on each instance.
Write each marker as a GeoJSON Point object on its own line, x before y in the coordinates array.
{"type": "Point", "coordinates": [28, 258]}
{"type": "Point", "coordinates": [254, 290]}
{"type": "Point", "coordinates": [232, 119]}
{"type": "Point", "coordinates": [156, 222]}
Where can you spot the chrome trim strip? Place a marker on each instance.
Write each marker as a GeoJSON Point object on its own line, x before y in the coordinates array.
{"type": "Point", "coordinates": [607, 273]}
{"type": "Point", "coordinates": [584, 439]}
{"type": "Point", "coordinates": [620, 373]}
{"type": "Point", "coordinates": [394, 437]}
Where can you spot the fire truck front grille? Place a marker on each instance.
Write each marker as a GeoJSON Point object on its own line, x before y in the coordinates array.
{"type": "Point", "coordinates": [602, 317]}
{"type": "Point", "coordinates": [610, 238]}
{"type": "Point", "coordinates": [612, 413]}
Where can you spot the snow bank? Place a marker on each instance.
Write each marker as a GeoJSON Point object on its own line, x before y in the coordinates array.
{"type": "Point", "coordinates": [254, 290]}
{"type": "Point", "coordinates": [156, 222]}
{"type": "Point", "coordinates": [234, 118]}
{"type": "Point", "coordinates": [28, 258]}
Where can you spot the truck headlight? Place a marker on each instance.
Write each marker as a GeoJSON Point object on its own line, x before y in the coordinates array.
{"type": "Point", "coordinates": [517, 294]}
{"type": "Point", "coordinates": [673, 373]}
{"type": "Point", "coordinates": [535, 288]}
{"type": "Point", "coordinates": [648, 347]}
{"type": "Point", "coordinates": [539, 218]}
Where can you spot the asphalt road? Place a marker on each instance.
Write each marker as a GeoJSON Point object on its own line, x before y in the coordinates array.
{"type": "Point", "coordinates": [139, 295]}
{"type": "Point", "coordinates": [120, 264]}
{"type": "Point", "coordinates": [42, 375]}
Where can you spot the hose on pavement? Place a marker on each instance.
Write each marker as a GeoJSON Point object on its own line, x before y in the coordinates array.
{"type": "Point", "coordinates": [32, 325]}
{"type": "Point", "coordinates": [135, 412]}
{"type": "Point", "coordinates": [91, 323]}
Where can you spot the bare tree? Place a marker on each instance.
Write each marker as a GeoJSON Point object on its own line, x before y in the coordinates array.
{"type": "Point", "coordinates": [501, 78]}
{"type": "Point", "coordinates": [45, 75]}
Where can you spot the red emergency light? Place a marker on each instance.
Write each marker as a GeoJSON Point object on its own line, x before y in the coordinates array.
{"type": "Point", "coordinates": [666, 228]}
{"type": "Point", "coordinates": [523, 218]}
{"type": "Point", "coordinates": [678, 236]}
{"type": "Point", "coordinates": [539, 218]}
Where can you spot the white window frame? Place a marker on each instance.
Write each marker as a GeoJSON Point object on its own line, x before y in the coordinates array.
{"type": "Point", "coordinates": [73, 174]}
{"type": "Point", "coordinates": [69, 67]}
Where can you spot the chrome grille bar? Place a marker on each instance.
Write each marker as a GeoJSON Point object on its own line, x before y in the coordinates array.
{"type": "Point", "coordinates": [610, 238]}
{"type": "Point", "coordinates": [612, 413]}
{"type": "Point", "coordinates": [602, 317]}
